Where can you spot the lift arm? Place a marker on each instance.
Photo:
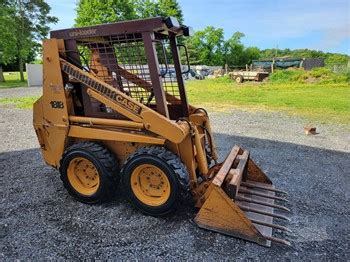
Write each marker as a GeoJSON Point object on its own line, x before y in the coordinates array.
{"type": "Point", "coordinates": [127, 106]}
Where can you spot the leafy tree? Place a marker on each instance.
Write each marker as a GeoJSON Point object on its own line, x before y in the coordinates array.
{"type": "Point", "coordinates": [146, 8]}
{"type": "Point", "coordinates": [234, 50]}
{"type": "Point", "coordinates": [209, 47]}
{"type": "Point", "coordinates": [206, 46]}
{"type": "Point", "coordinates": [7, 41]}
{"type": "Point", "coordinates": [94, 12]}
{"type": "Point", "coordinates": [236, 54]}
{"type": "Point", "coordinates": [24, 23]}
{"type": "Point", "coordinates": [170, 8]}
{"type": "Point", "coordinates": [251, 53]}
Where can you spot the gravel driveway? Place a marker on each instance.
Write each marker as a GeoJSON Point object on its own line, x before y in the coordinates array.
{"type": "Point", "coordinates": [21, 92]}
{"type": "Point", "coordinates": [39, 220]}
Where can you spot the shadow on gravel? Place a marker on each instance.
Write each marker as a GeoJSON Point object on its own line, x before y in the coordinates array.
{"type": "Point", "coordinates": [39, 220]}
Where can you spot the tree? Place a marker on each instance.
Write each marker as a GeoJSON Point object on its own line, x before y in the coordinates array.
{"type": "Point", "coordinates": [209, 47]}
{"type": "Point", "coordinates": [146, 8]}
{"type": "Point", "coordinates": [27, 22]}
{"type": "Point", "coordinates": [236, 54]}
{"type": "Point", "coordinates": [234, 50]}
{"type": "Point", "coordinates": [170, 8]}
{"type": "Point", "coordinates": [94, 12]}
{"type": "Point", "coordinates": [251, 53]}
{"type": "Point", "coordinates": [7, 41]}
{"type": "Point", "coordinates": [205, 47]}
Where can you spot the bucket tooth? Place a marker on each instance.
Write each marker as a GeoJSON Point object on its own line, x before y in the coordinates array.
{"type": "Point", "coordinates": [254, 192]}
{"type": "Point", "coordinates": [278, 240]}
{"type": "Point", "coordinates": [283, 228]}
{"type": "Point", "coordinates": [250, 200]}
{"type": "Point", "coordinates": [255, 210]}
{"type": "Point", "coordinates": [264, 187]}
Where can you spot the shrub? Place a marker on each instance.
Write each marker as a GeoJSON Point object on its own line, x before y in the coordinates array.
{"type": "Point", "coordinates": [286, 76]}
{"type": "Point", "coordinates": [319, 75]}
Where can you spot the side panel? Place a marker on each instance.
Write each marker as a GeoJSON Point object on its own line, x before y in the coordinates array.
{"type": "Point", "coordinates": [51, 111]}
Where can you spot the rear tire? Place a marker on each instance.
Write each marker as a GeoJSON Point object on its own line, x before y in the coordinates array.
{"type": "Point", "coordinates": [239, 79]}
{"type": "Point", "coordinates": [155, 180]}
{"type": "Point", "coordinates": [89, 172]}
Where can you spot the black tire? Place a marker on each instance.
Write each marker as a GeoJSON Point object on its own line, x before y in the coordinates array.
{"type": "Point", "coordinates": [173, 168]}
{"type": "Point", "coordinates": [104, 162]}
{"type": "Point", "coordinates": [239, 79]}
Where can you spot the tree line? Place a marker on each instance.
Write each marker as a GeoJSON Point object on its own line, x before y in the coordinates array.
{"type": "Point", "coordinates": [208, 47]}
{"type": "Point", "coordinates": [24, 23]}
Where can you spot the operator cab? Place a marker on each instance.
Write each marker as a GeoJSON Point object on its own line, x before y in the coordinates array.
{"type": "Point", "coordinates": [138, 57]}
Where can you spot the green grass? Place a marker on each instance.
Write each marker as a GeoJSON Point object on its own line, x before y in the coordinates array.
{"type": "Point", "coordinates": [21, 102]}
{"type": "Point", "coordinates": [322, 102]}
{"type": "Point", "coordinates": [328, 103]}
{"type": "Point", "coordinates": [12, 79]}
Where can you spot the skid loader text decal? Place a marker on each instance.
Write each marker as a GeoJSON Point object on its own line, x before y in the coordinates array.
{"type": "Point", "coordinates": [119, 99]}
{"type": "Point", "coordinates": [87, 32]}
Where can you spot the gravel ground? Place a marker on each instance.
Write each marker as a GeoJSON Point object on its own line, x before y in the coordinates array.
{"type": "Point", "coordinates": [21, 91]}
{"type": "Point", "coordinates": [39, 220]}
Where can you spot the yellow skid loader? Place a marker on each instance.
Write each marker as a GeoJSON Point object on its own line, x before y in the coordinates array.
{"type": "Point", "coordinates": [114, 108]}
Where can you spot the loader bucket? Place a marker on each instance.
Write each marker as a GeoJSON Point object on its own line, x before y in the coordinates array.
{"type": "Point", "coordinates": [241, 202]}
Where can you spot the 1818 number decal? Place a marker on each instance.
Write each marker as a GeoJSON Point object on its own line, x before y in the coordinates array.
{"type": "Point", "coordinates": [57, 104]}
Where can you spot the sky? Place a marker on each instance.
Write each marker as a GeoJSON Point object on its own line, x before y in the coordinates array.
{"type": "Point", "coordinates": [315, 24]}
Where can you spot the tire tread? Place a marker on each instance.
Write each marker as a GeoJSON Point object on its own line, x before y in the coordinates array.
{"type": "Point", "coordinates": [106, 158]}
{"type": "Point", "coordinates": [173, 161]}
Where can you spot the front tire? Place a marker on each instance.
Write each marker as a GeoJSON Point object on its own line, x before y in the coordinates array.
{"type": "Point", "coordinates": [155, 180]}
{"type": "Point", "coordinates": [89, 172]}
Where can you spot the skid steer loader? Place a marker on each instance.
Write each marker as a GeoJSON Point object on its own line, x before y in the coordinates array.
{"type": "Point", "coordinates": [114, 108]}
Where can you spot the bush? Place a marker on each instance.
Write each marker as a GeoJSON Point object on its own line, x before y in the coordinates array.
{"type": "Point", "coordinates": [319, 75]}
{"type": "Point", "coordinates": [327, 76]}
{"type": "Point", "coordinates": [320, 72]}
{"type": "Point", "coordinates": [286, 76]}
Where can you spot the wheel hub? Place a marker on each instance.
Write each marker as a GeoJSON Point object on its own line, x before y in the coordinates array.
{"type": "Point", "coordinates": [83, 176]}
{"type": "Point", "coordinates": [150, 185]}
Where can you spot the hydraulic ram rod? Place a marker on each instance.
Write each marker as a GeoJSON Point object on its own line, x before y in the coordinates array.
{"type": "Point", "coordinates": [105, 122]}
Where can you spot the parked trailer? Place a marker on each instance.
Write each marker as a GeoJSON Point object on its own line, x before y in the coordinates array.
{"type": "Point", "coordinates": [240, 76]}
